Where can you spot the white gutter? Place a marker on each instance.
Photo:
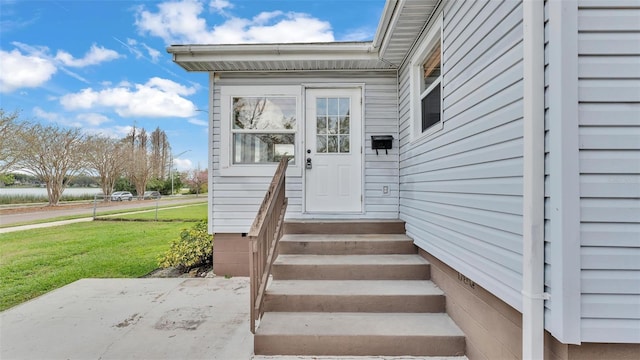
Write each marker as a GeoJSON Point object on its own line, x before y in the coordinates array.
{"type": "Point", "coordinates": [383, 25]}
{"type": "Point", "coordinates": [533, 182]}
{"type": "Point", "coordinates": [343, 48]}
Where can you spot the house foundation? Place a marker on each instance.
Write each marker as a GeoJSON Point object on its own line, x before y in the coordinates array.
{"type": "Point", "coordinates": [493, 329]}
{"type": "Point", "coordinates": [230, 254]}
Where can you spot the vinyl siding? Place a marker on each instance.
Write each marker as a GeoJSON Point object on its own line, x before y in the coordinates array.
{"type": "Point", "coordinates": [461, 187]}
{"type": "Point", "coordinates": [609, 152]}
{"type": "Point", "coordinates": [235, 199]}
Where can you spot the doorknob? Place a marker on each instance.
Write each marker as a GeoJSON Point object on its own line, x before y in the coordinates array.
{"type": "Point", "coordinates": [308, 166]}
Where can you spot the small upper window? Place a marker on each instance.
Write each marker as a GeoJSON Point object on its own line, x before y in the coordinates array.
{"type": "Point", "coordinates": [430, 90]}
{"type": "Point", "coordinates": [426, 84]}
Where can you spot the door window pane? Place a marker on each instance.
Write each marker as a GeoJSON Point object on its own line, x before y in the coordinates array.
{"type": "Point", "coordinates": [321, 125]}
{"type": "Point", "coordinates": [333, 124]}
{"type": "Point", "coordinates": [321, 144]}
{"type": "Point", "coordinates": [332, 143]}
{"type": "Point", "coordinates": [344, 143]}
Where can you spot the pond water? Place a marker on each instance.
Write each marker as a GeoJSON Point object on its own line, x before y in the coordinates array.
{"type": "Point", "coordinates": [43, 191]}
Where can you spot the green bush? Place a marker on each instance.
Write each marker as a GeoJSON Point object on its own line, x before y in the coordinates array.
{"type": "Point", "coordinates": [193, 248]}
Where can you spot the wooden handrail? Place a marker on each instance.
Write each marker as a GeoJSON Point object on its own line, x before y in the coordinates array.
{"type": "Point", "coordinates": [264, 236]}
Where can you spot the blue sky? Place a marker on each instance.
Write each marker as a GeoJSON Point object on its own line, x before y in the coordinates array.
{"type": "Point", "coordinates": [102, 66]}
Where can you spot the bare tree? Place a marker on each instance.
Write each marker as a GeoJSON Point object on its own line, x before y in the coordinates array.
{"type": "Point", "coordinates": [138, 163]}
{"type": "Point", "coordinates": [107, 157]}
{"type": "Point", "coordinates": [9, 127]}
{"type": "Point", "coordinates": [160, 154]}
{"type": "Point", "coordinates": [53, 154]}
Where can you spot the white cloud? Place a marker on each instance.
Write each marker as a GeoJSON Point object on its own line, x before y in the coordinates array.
{"type": "Point", "coordinates": [220, 5]}
{"type": "Point", "coordinates": [29, 66]}
{"type": "Point", "coordinates": [93, 119]}
{"type": "Point", "coordinates": [182, 164]}
{"type": "Point", "coordinates": [153, 53]}
{"type": "Point", "coordinates": [133, 46]}
{"type": "Point", "coordinates": [360, 34]}
{"type": "Point", "coordinates": [80, 120]}
{"type": "Point", "coordinates": [181, 22]}
{"type": "Point", "coordinates": [95, 55]}
{"type": "Point", "coordinates": [23, 71]}
{"type": "Point", "coordinates": [156, 98]}
{"type": "Point", "coordinates": [114, 132]}
{"type": "Point", "coordinates": [49, 116]}
{"type": "Point", "coordinates": [198, 122]}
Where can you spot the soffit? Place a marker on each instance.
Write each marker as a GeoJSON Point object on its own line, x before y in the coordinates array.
{"type": "Point", "coordinates": [278, 57]}
{"type": "Point", "coordinates": [406, 24]}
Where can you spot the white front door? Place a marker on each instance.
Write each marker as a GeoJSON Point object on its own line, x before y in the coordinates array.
{"type": "Point", "coordinates": [333, 154]}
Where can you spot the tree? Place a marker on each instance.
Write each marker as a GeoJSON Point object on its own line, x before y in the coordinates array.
{"type": "Point", "coordinates": [106, 156]}
{"type": "Point", "coordinates": [196, 179]}
{"type": "Point", "coordinates": [138, 164]}
{"type": "Point", "coordinates": [160, 154]}
{"type": "Point", "coordinates": [52, 154]}
{"type": "Point", "coordinates": [9, 127]}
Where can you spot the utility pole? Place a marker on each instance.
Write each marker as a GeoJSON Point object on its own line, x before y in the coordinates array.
{"type": "Point", "coordinates": [171, 168]}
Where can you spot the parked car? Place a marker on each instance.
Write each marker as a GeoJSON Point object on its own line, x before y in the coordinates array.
{"type": "Point", "coordinates": [121, 195]}
{"type": "Point", "coordinates": [148, 195]}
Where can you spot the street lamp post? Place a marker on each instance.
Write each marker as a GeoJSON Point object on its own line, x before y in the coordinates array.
{"type": "Point", "coordinates": [171, 168]}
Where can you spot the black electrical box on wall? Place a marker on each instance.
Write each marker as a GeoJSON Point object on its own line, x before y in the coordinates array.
{"type": "Point", "coordinates": [381, 142]}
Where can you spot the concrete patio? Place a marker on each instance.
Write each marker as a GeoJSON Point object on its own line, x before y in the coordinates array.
{"type": "Point", "coordinates": [170, 318]}
{"type": "Point", "coordinates": [150, 318]}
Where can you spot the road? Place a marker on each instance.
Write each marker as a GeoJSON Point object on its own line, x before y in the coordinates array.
{"type": "Point", "coordinates": [8, 218]}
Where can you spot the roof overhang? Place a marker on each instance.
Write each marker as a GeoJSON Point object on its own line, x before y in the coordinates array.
{"type": "Point", "coordinates": [401, 24]}
{"type": "Point", "coordinates": [356, 56]}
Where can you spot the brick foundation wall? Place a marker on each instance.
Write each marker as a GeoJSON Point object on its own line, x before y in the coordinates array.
{"type": "Point", "coordinates": [230, 254]}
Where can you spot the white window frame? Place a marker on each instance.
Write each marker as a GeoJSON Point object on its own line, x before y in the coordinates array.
{"type": "Point", "coordinates": [227, 93]}
{"type": "Point", "coordinates": [431, 41]}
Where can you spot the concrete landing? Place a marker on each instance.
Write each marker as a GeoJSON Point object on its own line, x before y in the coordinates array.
{"type": "Point", "coordinates": [174, 318]}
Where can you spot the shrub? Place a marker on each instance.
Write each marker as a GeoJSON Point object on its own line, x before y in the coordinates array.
{"type": "Point", "coordinates": [193, 248]}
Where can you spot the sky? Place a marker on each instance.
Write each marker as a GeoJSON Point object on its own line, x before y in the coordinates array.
{"type": "Point", "coordinates": [102, 66]}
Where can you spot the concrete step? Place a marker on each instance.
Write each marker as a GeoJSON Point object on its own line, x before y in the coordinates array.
{"type": "Point", "coordinates": [372, 357]}
{"type": "Point", "coordinates": [382, 334]}
{"type": "Point", "coordinates": [350, 267]}
{"type": "Point", "coordinates": [377, 226]}
{"type": "Point", "coordinates": [354, 296]}
{"type": "Point", "coordinates": [343, 244]}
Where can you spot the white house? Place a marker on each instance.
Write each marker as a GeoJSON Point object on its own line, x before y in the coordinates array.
{"type": "Point", "coordinates": [515, 160]}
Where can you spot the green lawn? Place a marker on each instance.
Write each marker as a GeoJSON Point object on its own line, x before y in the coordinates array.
{"type": "Point", "coordinates": [195, 212]}
{"type": "Point", "coordinates": [34, 262]}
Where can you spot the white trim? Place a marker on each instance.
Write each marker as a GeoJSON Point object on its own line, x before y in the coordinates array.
{"type": "Point", "coordinates": [415, 68]}
{"type": "Point", "coordinates": [227, 168]}
{"type": "Point", "coordinates": [212, 83]}
{"type": "Point", "coordinates": [564, 169]}
{"type": "Point", "coordinates": [533, 182]}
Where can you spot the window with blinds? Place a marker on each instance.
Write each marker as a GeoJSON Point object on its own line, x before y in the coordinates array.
{"type": "Point", "coordinates": [430, 93]}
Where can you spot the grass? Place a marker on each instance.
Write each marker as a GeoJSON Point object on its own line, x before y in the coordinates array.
{"type": "Point", "coordinates": [195, 212]}
{"type": "Point", "coordinates": [34, 262]}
